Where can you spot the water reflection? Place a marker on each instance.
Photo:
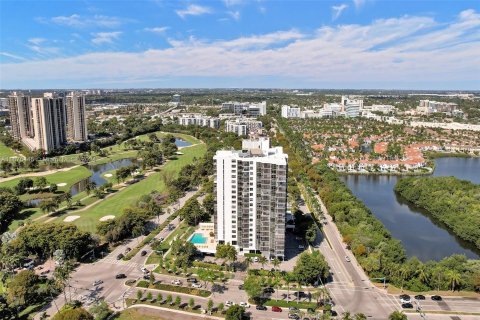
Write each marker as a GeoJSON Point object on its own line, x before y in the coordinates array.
{"type": "Point", "coordinates": [422, 235]}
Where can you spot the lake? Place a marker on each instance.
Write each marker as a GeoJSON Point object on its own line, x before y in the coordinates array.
{"type": "Point", "coordinates": [98, 171]}
{"type": "Point", "coordinates": [421, 235]}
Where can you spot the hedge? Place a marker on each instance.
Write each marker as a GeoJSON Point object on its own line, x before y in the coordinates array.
{"type": "Point", "coordinates": [173, 288]}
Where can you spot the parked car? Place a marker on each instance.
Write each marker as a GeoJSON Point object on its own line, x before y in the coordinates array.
{"type": "Point", "coordinates": [120, 256]}
{"type": "Point", "coordinates": [293, 309]}
{"type": "Point", "coordinates": [240, 287]}
{"type": "Point", "coordinates": [244, 304]}
{"type": "Point", "coordinates": [276, 309]}
{"type": "Point", "coordinates": [177, 282]}
{"type": "Point", "coordinates": [436, 298]}
{"type": "Point", "coordinates": [160, 239]}
{"type": "Point", "coordinates": [143, 253]}
{"type": "Point", "coordinates": [120, 276]}
{"type": "Point", "coordinates": [144, 270]}
{"type": "Point", "coordinates": [407, 305]}
{"type": "Point", "coordinates": [193, 280]}
{"type": "Point", "coordinates": [128, 249]}
{"type": "Point", "coordinates": [420, 297]}
{"type": "Point", "coordinates": [260, 307]}
{"type": "Point", "coordinates": [98, 282]}
{"type": "Point", "coordinates": [293, 316]}
{"type": "Point", "coordinates": [255, 259]}
{"type": "Point", "coordinates": [268, 290]}
{"type": "Point", "coordinates": [196, 285]}
{"type": "Point", "coordinates": [229, 303]}
{"type": "Point", "coordinates": [347, 259]}
{"type": "Point", "coordinates": [405, 300]}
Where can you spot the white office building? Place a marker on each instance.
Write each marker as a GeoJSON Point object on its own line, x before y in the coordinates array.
{"type": "Point", "coordinates": [290, 112]}
{"type": "Point", "coordinates": [245, 108]}
{"type": "Point", "coordinates": [242, 126]}
{"type": "Point", "coordinates": [352, 107]}
{"type": "Point", "coordinates": [199, 120]}
{"type": "Point", "coordinates": [251, 191]}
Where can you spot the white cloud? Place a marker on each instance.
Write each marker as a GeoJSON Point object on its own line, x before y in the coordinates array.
{"type": "Point", "coordinates": [78, 21]}
{"type": "Point", "coordinates": [406, 49]}
{"type": "Point", "coordinates": [338, 10]}
{"type": "Point", "coordinates": [105, 37]}
{"type": "Point", "coordinates": [36, 41]}
{"type": "Point", "coordinates": [13, 56]}
{"type": "Point", "coordinates": [234, 14]}
{"type": "Point", "coordinates": [193, 10]}
{"type": "Point", "coordinates": [230, 3]}
{"type": "Point", "coordinates": [157, 29]}
{"type": "Point", "coordinates": [359, 3]}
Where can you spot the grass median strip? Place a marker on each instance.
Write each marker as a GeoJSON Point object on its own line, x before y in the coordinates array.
{"type": "Point", "coordinates": [287, 304]}
{"type": "Point", "coordinates": [173, 288]}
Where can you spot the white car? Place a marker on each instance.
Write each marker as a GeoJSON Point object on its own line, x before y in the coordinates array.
{"type": "Point", "coordinates": [177, 282]}
{"type": "Point", "coordinates": [347, 259]}
{"type": "Point", "coordinates": [196, 285]}
{"type": "Point", "coordinates": [229, 303]}
{"type": "Point", "coordinates": [244, 304]}
{"type": "Point", "coordinates": [255, 259]}
{"type": "Point", "coordinates": [144, 270]}
{"type": "Point", "coordinates": [405, 300]}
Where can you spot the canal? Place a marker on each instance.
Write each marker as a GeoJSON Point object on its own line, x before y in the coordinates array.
{"type": "Point", "coordinates": [421, 235]}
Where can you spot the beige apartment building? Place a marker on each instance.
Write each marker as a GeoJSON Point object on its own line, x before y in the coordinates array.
{"type": "Point", "coordinates": [49, 122]}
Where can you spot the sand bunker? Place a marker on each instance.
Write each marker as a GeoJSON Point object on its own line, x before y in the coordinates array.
{"type": "Point", "coordinates": [62, 184]}
{"type": "Point", "coordinates": [108, 175]}
{"type": "Point", "coordinates": [71, 218]}
{"type": "Point", "coordinates": [105, 218]}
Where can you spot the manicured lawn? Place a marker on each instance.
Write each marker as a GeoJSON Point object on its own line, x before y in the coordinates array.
{"type": "Point", "coordinates": [6, 151]}
{"type": "Point", "coordinates": [115, 204]}
{"type": "Point", "coordinates": [136, 314]}
{"type": "Point", "coordinates": [69, 177]}
{"type": "Point", "coordinates": [173, 288]}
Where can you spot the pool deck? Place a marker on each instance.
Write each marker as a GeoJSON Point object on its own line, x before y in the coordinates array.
{"type": "Point", "coordinates": [205, 229]}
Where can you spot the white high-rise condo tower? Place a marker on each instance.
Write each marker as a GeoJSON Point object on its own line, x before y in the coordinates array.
{"type": "Point", "coordinates": [251, 189]}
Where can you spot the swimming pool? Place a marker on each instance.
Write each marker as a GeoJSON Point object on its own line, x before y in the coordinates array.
{"type": "Point", "coordinates": [198, 238]}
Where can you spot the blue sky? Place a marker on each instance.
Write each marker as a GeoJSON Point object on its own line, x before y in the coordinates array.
{"type": "Point", "coordinates": [411, 44]}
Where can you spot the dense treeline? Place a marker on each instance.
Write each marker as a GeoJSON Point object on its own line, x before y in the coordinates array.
{"type": "Point", "coordinates": [379, 254]}
{"type": "Point", "coordinates": [42, 240]}
{"type": "Point", "coordinates": [453, 201]}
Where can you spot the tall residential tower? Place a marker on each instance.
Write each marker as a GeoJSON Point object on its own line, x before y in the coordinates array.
{"type": "Point", "coordinates": [76, 122]}
{"type": "Point", "coordinates": [251, 189]}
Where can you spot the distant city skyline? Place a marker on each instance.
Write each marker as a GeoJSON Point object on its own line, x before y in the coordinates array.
{"type": "Point", "coordinates": [349, 44]}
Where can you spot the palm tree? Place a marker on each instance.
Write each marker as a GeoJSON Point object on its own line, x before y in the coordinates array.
{"type": "Point", "coordinates": [346, 316]}
{"type": "Point", "coordinates": [275, 263]}
{"type": "Point", "coordinates": [454, 278]}
{"type": "Point", "coordinates": [422, 274]}
{"type": "Point", "coordinates": [360, 316]}
{"type": "Point", "coordinates": [397, 315]}
{"type": "Point", "coordinates": [248, 261]}
{"type": "Point", "coordinates": [262, 261]}
{"type": "Point", "coordinates": [67, 197]}
{"type": "Point", "coordinates": [288, 279]}
{"type": "Point", "coordinates": [90, 186]}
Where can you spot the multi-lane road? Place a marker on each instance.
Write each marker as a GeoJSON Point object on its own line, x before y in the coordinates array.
{"type": "Point", "coordinates": [353, 291]}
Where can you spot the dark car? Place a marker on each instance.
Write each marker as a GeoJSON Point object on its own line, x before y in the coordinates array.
{"type": "Point", "coordinates": [419, 297]}
{"type": "Point", "coordinates": [293, 316]}
{"type": "Point", "coordinates": [146, 277]}
{"type": "Point", "coordinates": [268, 290]}
{"type": "Point", "coordinates": [240, 287]}
{"type": "Point", "coordinates": [407, 306]}
{"type": "Point", "coordinates": [436, 298]}
{"type": "Point", "coordinates": [276, 309]}
{"type": "Point", "coordinates": [143, 253]}
{"type": "Point", "coordinates": [128, 249]}
{"type": "Point", "coordinates": [192, 280]}
{"type": "Point", "coordinates": [120, 276]}
{"type": "Point", "coordinates": [404, 296]}
{"type": "Point", "coordinates": [120, 256]}
{"type": "Point", "coordinates": [260, 307]}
